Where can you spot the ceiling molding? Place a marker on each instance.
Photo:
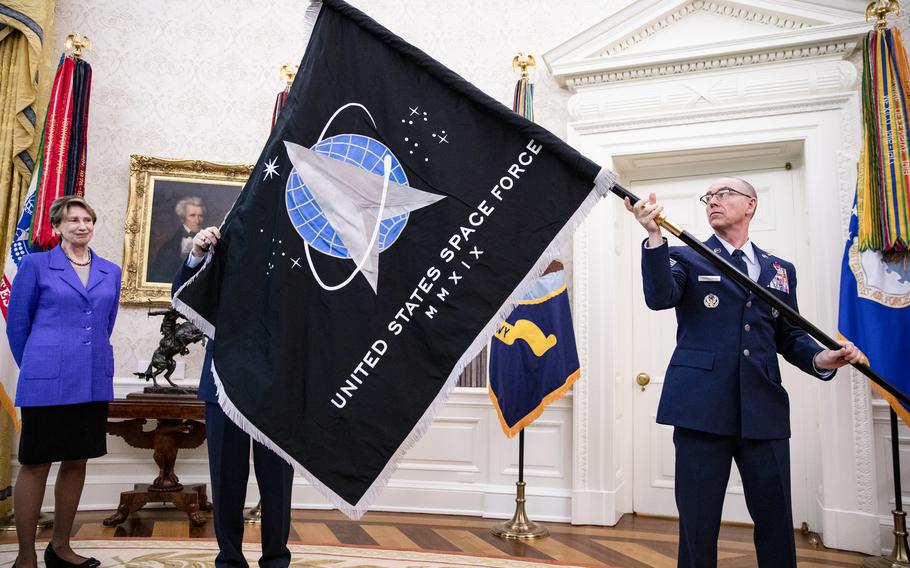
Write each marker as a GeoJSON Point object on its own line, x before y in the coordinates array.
{"type": "Point", "coordinates": [794, 30]}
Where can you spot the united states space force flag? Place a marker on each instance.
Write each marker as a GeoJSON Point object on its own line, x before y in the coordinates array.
{"type": "Point", "coordinates": [394, 218]}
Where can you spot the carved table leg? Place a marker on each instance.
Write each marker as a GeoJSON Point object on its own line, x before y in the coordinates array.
{"type": "Point", "coordinates": [204, 503]}
{"type": "Point", "coordinates": [130, 502]}
{"type": "Point", "coordinates": [188, 502]}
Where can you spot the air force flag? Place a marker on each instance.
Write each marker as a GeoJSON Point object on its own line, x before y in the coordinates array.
{"type": "Point", "coordinates": [395, 216]}
{"type": "Point", "coordinates": [875, 311]}
{"type": "Point", "coordinates": [533, 358]}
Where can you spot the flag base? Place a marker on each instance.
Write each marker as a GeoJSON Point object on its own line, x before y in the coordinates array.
{"type": "Point", "coordinates": [9, 523]}
{"type": "Point", "coordinates": [254, 515]}
{"type": "Point", "coordinates": [899, 555]}
{"type": "Point", "coordinates": [520, 527]}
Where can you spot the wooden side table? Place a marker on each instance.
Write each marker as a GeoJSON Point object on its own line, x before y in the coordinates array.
{"type": "Point", "coordinates": [179, 426]}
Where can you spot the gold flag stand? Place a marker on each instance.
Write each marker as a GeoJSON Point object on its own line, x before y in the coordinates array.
{"type": "Point", "coordinates": [520, 527]}
{"type": "Point", "coordinates": [899, 556]}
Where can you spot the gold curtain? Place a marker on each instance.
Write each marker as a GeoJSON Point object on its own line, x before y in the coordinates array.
{"type": "Point", "coordinates": [25, 27]}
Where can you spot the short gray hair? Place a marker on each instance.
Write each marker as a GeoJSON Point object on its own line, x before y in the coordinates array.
{"type": "Point", "coordinates": [61, 206]}
{"type": "Point", "coordinates": [181, 206]}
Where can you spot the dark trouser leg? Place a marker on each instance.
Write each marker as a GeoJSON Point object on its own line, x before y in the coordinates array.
{"type": "Point", "coordinates": [765, 469]}
{"type": "Point", "coordinates": [702, 471]}
{"type": "Point", "coordinates": [229, 464]}
{"type": "Point", "coordinates": [275, 478]}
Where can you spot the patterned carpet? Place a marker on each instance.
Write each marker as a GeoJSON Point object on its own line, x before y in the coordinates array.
{"type": "Point", "coordinates": [145, 553]}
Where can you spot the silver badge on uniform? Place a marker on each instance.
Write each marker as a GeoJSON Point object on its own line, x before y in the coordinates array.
{"type": "Point", "coordinates": [711, 301]}
{"type": "Point", "coordinates": [774, 312]}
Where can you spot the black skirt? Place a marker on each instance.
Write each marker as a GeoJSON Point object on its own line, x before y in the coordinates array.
{"type": "Point", "coordinates": [65, 432]}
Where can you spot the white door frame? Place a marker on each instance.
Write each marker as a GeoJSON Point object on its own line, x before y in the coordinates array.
{"type": "Point", "coordinates": [603, 441]}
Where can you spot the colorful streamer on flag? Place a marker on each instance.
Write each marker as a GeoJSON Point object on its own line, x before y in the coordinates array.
{"type": "Point", "coordinates": [279, 103]}
{"type": "Point", "coordinates": [883, 188]}
{"type": "Point", "coordinates": [523, 101]}
{"type": "Point", "coordinates": [875, 273]}
{"type": "Point", "coordinates": [63, 155]}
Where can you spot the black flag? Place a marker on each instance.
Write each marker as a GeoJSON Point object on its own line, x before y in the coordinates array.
{"type": "Point", "coordinates": [394, 218]}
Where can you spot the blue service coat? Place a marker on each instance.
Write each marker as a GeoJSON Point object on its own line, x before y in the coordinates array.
{"type": "Point", "coordinates": [724, 376]}
{"type": "Point", "coordinates": [59, 331]}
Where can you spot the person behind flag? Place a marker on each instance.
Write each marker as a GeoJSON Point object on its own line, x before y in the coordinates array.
{"type": "Point", "coordinates": [726, 361]}
{"type": "Point", "coordinates": [60, 317]}
{"type": "Point", "coordinates": [229, 458]}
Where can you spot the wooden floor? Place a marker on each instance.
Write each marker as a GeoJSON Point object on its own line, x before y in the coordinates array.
{"type": "Point", "coordinates": [636, 542]}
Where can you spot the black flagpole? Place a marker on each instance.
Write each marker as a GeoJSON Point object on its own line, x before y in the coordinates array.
{"type": "Point", "coordinates": [743, 279]}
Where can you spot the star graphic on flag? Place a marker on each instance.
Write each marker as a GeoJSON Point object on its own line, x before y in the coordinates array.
{"type": "Point", "coordinates": [350, 198]}
{"type": "Point", "coordinates": [271, 169]}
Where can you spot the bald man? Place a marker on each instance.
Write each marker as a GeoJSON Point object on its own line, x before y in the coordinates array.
{"type": "Point", "coordinates": [722, 392]}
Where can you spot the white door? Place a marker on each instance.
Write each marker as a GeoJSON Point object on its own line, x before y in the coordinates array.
{"type": "Point", "coordinates": [777, 228]}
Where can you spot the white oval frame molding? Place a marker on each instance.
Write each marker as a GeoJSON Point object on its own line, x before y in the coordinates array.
{"type": "Point", "coordinates": [645, 82]}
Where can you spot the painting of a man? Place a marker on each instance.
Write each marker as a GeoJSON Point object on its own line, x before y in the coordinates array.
{"type": "Point", "coordinates": [164, 265]}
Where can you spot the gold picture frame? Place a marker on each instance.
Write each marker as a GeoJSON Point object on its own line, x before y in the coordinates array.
{"type": "Point", "coordinates": [153, 227]}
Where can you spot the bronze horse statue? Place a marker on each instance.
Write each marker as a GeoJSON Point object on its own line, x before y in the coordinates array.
{"type": "Point", "coordinates": [175, 340]}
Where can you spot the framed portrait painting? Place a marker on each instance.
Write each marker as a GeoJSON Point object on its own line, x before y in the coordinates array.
{"type": "Point", "coordinates": [170, 200]}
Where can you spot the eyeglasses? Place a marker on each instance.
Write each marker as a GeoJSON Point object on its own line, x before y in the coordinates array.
{"type": "Point", "coordinates": [721, 195]}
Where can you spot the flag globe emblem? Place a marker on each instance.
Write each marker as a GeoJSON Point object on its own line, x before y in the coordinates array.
{"type": "Point", "coordinates": [308, 217]}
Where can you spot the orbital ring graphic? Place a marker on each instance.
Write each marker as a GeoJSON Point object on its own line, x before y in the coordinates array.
{"type": "Point", "coordinates": [387, 169]}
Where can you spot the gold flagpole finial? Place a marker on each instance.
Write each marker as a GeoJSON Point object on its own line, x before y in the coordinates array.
{"type": "Point", "coordinates": [522, 61]}
{"type": "Point", "coordinates": [287, 73]}
{"type": "Point", "coordinates": [76, 43]}
{"type": "Point", "coordinates": [879, 9]}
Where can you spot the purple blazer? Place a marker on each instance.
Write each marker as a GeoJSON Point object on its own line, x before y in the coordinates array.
{"type": "Point", "coordinates": [59, 330]}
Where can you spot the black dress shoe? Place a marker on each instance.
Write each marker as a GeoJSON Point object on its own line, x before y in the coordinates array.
{"type": "Point", "coordinates": [53, 561]}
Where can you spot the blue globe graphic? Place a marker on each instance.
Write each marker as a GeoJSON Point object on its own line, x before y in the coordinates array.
{"type": "Point", "coordinates": [307, 216]}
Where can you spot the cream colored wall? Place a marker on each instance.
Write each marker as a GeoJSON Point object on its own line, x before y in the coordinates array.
{"type": "Point", "coordinates": [197, 80]}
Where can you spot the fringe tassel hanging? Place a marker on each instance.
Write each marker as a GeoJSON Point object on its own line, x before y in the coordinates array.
{"type": "Point", "coordinates": [64, 139]}
{"type": "Point", "coordinates": [523, 102]}
{"type": "Point", "coordinates": [883, 182]}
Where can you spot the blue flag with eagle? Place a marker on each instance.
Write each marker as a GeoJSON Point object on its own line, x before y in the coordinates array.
{"type": "Point", "coordinates": [533, 358]}
{"type": "Point", "coordinates": [394, 218]}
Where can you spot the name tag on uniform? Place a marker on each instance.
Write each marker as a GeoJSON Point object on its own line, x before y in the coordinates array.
{"type": "Point", "coordinates": [708, 278]}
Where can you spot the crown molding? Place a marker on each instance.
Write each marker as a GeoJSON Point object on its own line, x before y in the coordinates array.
{"type": "Point", "coordinates": [797, 30]}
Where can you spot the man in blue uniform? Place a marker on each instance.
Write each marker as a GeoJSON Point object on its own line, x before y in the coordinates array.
{"type": "Point", "coordinates": [229, 460]}
{"type": "Point", "coordinates": [722, 391]}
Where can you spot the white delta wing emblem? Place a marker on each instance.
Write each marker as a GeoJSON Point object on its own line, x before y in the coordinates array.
{"type": "Point", "coordinates": [880, 279]}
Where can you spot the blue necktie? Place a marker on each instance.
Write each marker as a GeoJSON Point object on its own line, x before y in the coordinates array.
{"type": "Point", "coordinates": [739, 261]}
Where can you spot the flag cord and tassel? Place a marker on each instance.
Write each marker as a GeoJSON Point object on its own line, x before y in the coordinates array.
{"type": "Point", "coordinates": [520, 527]}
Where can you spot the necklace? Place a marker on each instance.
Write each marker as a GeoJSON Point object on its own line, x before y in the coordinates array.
{"type": "Point", "coordinates": [86, 263]}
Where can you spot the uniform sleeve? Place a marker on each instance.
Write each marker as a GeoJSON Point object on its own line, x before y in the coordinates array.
{"type": "Point", "coordinates": [23, 302]}
{"type": "Point", "coordinates": [112, 317]}
{"type": "Point", "coordinates": [663, 278]}
{"type": "Point", "coordinates": [184, 274]}
{"type": "Point", "coordinates": [797, 346]}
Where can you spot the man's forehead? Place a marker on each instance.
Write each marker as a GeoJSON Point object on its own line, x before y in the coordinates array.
{"type": "Point", "coordinates": [730, 182]}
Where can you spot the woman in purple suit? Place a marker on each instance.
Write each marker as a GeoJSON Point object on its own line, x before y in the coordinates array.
{"type": "Point", "coordinates": [59, 321]}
